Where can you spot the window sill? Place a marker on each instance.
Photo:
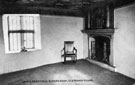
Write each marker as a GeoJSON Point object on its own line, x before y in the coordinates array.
{"type": "Point", "coordinates": [20, 51]}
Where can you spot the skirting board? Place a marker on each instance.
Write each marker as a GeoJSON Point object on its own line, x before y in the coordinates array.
{"type": "Point", "coordinates": [102, 65]}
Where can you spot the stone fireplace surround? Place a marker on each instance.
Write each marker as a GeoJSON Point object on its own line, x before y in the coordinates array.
{"type": "Point", "coordinates": [107, 33]}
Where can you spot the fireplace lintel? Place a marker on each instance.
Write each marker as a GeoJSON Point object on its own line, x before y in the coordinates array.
{"type": "Point", "coordinates": [108, 32]}
{"type": "Point", "coordinates": [99, 32]}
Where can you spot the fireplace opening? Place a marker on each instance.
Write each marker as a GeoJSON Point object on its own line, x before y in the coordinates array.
{"type": "Point", "coordinates": [99, 49]}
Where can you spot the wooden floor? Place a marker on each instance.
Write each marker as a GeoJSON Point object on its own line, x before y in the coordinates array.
{"type": "Point", "coordinates": [80, 73]}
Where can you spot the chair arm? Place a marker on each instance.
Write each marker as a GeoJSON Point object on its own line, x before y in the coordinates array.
{"type": "Point", "coordinates": [62, 51]}
{"type": "Point", "coordinates": [75, 50]}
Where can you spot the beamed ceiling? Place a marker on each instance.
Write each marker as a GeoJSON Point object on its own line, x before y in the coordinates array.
{"type": "Point", "coordinates": [58, 7]}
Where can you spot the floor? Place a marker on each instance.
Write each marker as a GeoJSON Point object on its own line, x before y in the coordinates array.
{"type": "Point", "coordinates": [80, 73]}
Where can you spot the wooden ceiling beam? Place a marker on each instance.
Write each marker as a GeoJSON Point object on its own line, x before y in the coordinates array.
{"type": "Point", "coordinates": [40, 10]}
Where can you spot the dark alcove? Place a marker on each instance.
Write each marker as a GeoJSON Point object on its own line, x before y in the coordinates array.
{"type": "Point", "coordinates": [100, 49]}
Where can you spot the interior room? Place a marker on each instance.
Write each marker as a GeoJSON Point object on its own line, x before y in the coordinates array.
{"type": "Point", "coordinates": [39, 39]}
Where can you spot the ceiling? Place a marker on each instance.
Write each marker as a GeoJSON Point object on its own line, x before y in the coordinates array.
{"type": "Point", "coordinates": [69, 3]}
{"type": "Point", "coordinates": [71, 7]}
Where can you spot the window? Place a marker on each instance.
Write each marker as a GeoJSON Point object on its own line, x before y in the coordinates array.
{"type": "Point", "coordinates": [21, 32]}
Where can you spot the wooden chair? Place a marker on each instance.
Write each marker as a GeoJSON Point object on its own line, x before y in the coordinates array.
{"type": "Point", "coordinates": [69, 51]}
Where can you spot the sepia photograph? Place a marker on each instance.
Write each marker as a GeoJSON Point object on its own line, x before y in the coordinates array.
{"type": "Point", "coordinates": [67, 42]}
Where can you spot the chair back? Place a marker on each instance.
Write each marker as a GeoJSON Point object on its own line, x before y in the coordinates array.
{"type": "Point", "coordinates": [69, 46]}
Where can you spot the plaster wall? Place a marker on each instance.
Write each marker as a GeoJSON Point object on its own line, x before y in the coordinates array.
{"type": "Point", "coordinates": [124, 40]}
{"type": "Point", "coordinates": [54, 31]}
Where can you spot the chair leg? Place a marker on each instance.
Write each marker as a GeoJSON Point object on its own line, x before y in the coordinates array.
{"type": "Point", "coordinates": [74, 61]}
{"type": "Point", "coordinates": [64, 59]}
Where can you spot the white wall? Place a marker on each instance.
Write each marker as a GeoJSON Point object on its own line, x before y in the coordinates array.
{"type": "Point", "coordinates": [54, 31]}
{"type": "Point", "coordinates": [85, 45]}
{"type": "Point", "coordinates": [124, 40]}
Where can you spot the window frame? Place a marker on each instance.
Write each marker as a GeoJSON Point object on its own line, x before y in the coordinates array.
{"type": "Point", "coordinates": [37, 32]}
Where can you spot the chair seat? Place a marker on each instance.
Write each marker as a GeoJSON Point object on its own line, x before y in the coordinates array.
{"type": "Point", "coordinates": [69, 52]}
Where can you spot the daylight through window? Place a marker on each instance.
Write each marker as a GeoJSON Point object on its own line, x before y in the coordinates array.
{"type": "Point", "coordinates": [21, 32]}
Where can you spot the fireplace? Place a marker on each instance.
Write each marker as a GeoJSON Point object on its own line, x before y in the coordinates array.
{"type": "Point", "coordinates": [100, 45]}
{"type": "Point", "coordinates": [99, 27]}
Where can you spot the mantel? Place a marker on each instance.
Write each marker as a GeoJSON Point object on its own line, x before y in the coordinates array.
{"type": "Point", "coordinates": [104, 32]}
